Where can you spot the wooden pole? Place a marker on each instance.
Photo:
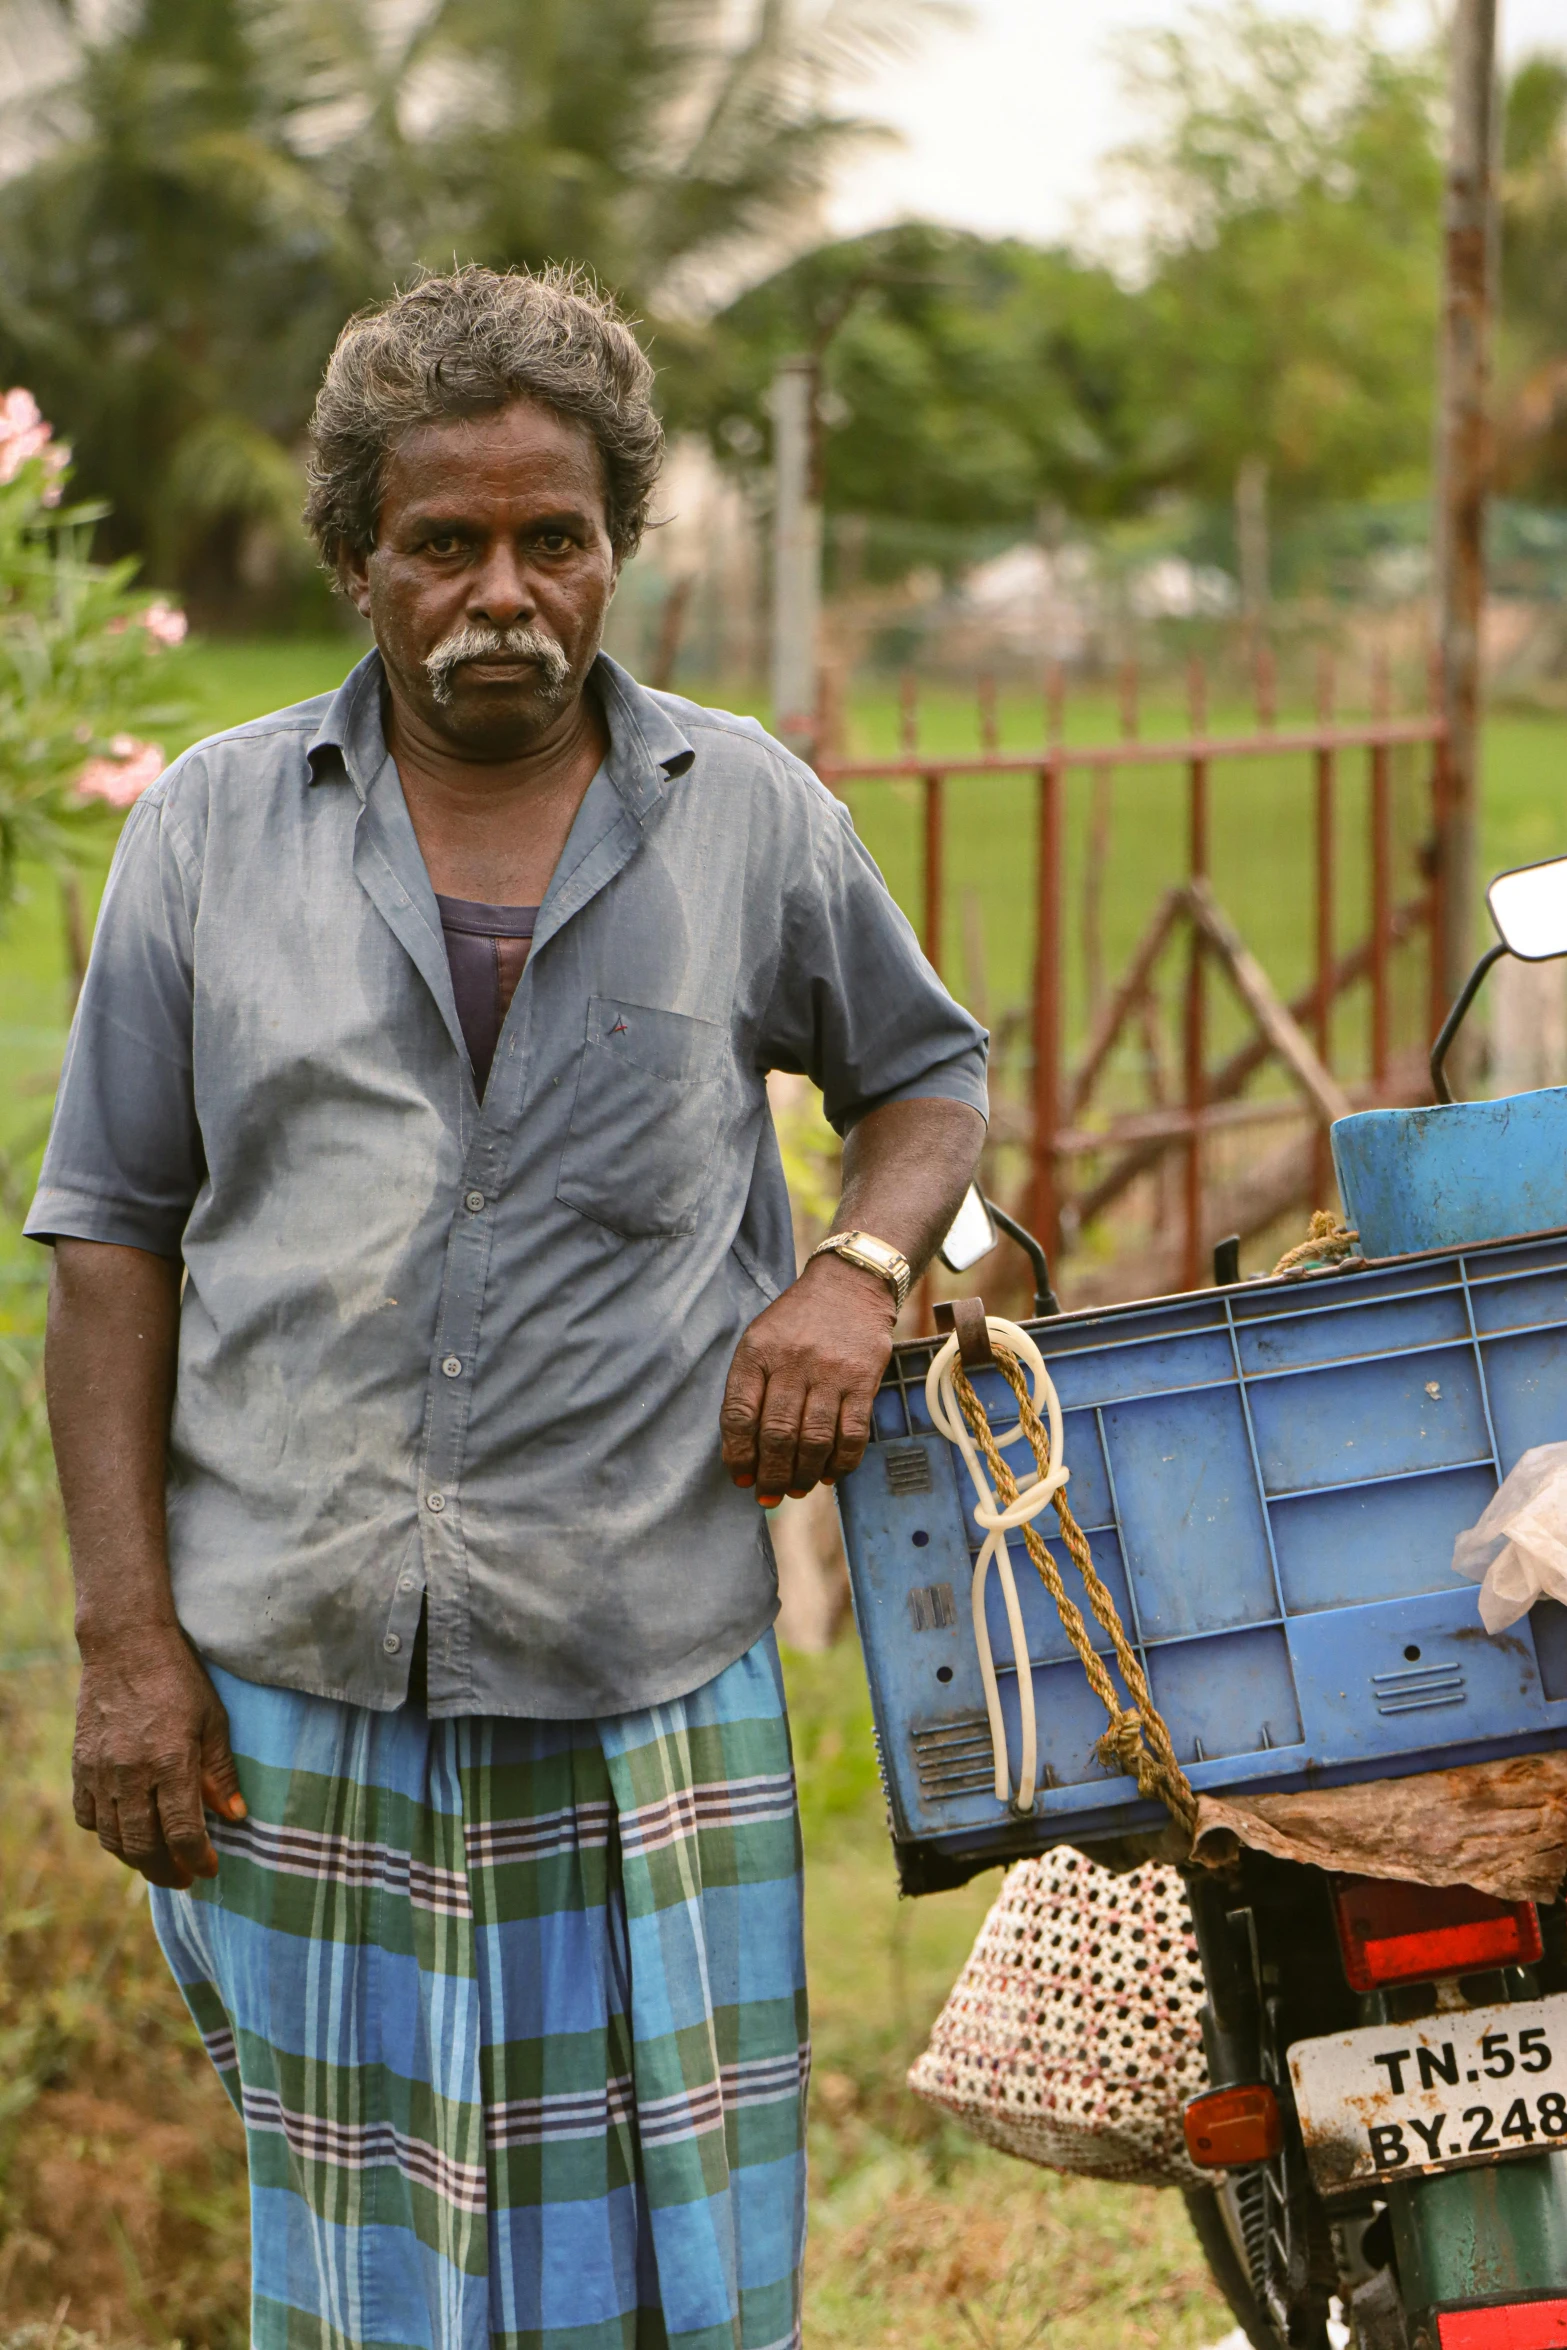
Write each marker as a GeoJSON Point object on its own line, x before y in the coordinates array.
{"type": "Point", "coordinates": [797, 557]}
{"type": "Point", "coordinates": [1251, 544]}
{"type": "Point", "coordinates": [1326, 793]}
{"type": "Point", "coordinates": [1464, 463]}
{"type": "Point", "coordinates": [908, 712]}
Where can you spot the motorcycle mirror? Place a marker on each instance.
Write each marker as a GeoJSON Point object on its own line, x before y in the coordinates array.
{"type": "Point", "coordinates": [971, 1234]}
{"type": "Point", "coordinates": [1529, 908]}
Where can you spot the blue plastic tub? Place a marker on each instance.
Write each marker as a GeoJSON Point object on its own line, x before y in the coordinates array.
{"type": "Point", "coordinates": [1448, 1176]}
{"type": "Point", "coordinates": [1272, 1477]}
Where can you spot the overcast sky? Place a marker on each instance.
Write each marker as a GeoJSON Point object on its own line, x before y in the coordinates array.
{"type": "Point", "coordinates": [1005, 121]}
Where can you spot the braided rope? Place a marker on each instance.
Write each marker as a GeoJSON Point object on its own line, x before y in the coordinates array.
{"type": "Point", "coordinates": [1137, 1741]}
{"type": "Point", "coordinates": [1326, 1243]}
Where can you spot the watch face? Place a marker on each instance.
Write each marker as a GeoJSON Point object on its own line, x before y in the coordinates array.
{"type": "Point", "coordinates": [872, 1256]}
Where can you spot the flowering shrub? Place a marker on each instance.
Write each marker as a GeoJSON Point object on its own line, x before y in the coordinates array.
{"type": "Point", "coordinates": [85, 667]}
{"type": "Point", "coordinates": [124, 775]}
{"type": "Point", "coordinates": [23, 435]}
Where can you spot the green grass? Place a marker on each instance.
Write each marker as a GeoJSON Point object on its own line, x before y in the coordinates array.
{"type": "Point", "coordinates": [1261, 831]}
{"type": "Point", "coordinates": [1261, 859]}
{"type": "Point", "coordinates": [235, 679]}
{"type": "Point", "coordinates": [122, 2173]}
{"type": "Point", "coordinates": [1260, 821]}
{"type": "Point", "coordinates": [121, 2165]}
{"type": "Point", "coordinates": [122, 2186]}
{"type": "Point", "coordinates": [921, 2239]}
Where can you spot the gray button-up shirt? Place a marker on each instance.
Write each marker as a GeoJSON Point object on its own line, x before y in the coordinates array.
{"type": "Point", "coordinates": [473, 1353]}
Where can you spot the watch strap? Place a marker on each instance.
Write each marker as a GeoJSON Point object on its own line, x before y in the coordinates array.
{"type": "Point", "coordinates": [872, 1256]}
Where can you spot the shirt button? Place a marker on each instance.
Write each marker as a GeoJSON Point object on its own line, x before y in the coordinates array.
{"type": "Point", "coordinates": [473, 1201]}
{"type": "Point", "coordinates": [406, 1584]}
{"type": "Point", "coordinates": [452, 1367]}
{"type": "Point", "coordinates": [391, 1644]}
{"type": "Point", "coordinates": [435, 1502]}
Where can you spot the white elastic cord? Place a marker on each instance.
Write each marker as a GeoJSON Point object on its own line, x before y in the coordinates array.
{"type": "Point", "coordinates": [1036, 1491]}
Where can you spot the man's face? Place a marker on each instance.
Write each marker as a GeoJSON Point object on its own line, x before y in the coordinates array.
{"type": "Point", "coordinates": [491, 528]}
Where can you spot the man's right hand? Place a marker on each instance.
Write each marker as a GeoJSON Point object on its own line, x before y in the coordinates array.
{"type": "Point", "coordinates": [152, 1749]}
{"type": "Point", "coordinates": [152, 1739]}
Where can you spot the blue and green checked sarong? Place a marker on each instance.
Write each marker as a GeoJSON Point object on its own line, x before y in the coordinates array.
{"type": "Point", "coordinates": [514, 2012]}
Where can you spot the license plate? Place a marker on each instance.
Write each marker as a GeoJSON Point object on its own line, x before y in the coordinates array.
{"type": "Point", "coordinates": [1446, 2093]}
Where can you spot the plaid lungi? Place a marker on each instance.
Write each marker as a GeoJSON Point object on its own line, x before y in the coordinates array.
{"type": "Point", "coordinates": [514, 2012]}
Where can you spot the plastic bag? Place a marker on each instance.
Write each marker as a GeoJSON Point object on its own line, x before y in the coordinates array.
{"type": "Point", "coordinates": [1517, 1553]}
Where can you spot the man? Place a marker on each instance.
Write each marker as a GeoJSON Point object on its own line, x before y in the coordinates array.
{"type": "Point", "coordinates": [423, 1335]}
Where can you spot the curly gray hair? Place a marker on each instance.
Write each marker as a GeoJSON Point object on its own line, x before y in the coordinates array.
{"type": "Point", "coordinates": [464, 345]}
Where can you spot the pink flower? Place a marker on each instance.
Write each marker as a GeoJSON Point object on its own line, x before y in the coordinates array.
{"type": "Point", "coordinates": [24, 434]}
{"type": "Point", "coordinates": [163, 623]}
{"type": "Point", "coordinates": [56, 458]}
{"type": "Point", "coordinates": [125, 775]}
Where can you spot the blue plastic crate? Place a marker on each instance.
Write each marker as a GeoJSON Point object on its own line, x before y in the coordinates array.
{"type": "Point", "coordinates": [1272, 1477]}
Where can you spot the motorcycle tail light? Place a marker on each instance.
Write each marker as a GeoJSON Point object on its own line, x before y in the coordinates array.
{"type": "Point", "coordinates": [1395, 1933]}
{"type": "Point", "coordinates": [1512, 2325]}
{"type": "Point", "coordinates": [1226, 2128]}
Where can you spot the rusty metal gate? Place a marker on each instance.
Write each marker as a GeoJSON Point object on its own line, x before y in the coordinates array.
{"type": "Point", "coordinates": [1340, 840]}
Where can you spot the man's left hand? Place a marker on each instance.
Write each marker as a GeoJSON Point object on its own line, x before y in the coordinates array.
{"type": "Point", "coordinates": [797, 1408]}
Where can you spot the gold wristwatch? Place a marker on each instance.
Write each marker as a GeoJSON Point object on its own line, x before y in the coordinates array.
{"type": "Point", "coordinates": [873, 1256]}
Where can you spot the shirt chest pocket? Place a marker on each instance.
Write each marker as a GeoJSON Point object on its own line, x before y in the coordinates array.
{"type": "Point", "coordinates": [644, 1123]}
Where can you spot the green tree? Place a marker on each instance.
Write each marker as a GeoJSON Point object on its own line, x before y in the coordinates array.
{"type": "Point", "coordinates": [656, 140]}
{"type": "Point", "coordinates": [170, 271]}
{"type": "Point", "coordinates": [1292, 183]}
{"type": "Point", "coordinates": [1275, 319]}
{"type": "Point", "coordinates": [967, 384]}
{"type": "Point", "coordinates": [227, 180]}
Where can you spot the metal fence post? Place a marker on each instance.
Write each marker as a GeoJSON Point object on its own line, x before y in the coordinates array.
{"type": "Point", "coordinates": [935, 878]}
{"type": "Point", "coordinates": [1044, 1207]}
{"type": "Point", "coordinates": [1194, 1025]}
{"type": "Point", "coordinates": [1174, 1133]}
{"type": "Point", "coordinates": [1381, 914]}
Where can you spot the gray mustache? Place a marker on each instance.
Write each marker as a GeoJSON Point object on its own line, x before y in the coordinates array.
{"type": "Point", "coordinates": [483, 644]}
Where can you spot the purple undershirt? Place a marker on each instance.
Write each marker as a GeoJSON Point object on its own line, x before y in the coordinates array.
{"type": "Point", "coordinates": [486, 947]}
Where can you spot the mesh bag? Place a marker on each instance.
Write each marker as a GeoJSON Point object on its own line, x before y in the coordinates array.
{"type": "Point", "coordinates": [1072, 2037]}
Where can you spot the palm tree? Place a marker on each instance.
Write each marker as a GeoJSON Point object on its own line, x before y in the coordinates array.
{"type": "Point", "coordinates": [169, 271]}
{"type": "Point", "coordinates": [224, 182]}
{"type": "Point", "coordinates": [646, 137]}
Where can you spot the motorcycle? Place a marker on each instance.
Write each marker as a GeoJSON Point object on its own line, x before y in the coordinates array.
{"type": "Point", "coordinates": [1272, 1475]}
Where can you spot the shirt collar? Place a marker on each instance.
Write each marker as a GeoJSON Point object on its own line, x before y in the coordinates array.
{"type": "Point", "coordinates": [646, 747]}
{"type": "Point", "coordinates": [349, 741]}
